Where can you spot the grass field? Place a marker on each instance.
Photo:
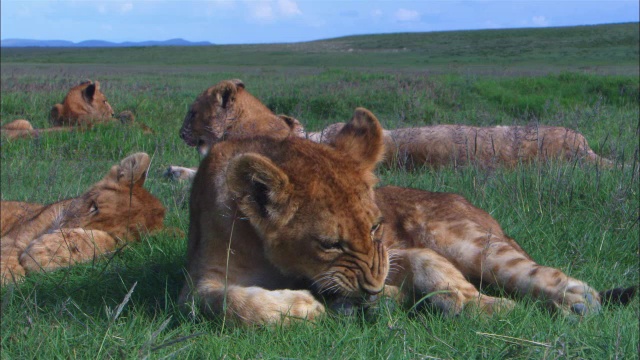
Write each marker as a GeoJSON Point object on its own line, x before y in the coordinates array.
{"type": "Point", "coordinates": [577, 217]}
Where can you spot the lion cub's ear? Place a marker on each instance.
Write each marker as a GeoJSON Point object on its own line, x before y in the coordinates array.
{"type": "Point", "coordinates": [262, 188]}
{"type": "Point", "coordinates": [224, 93]}
{"type": "Point", "coordinates": [132, 170]}
{"type": "Point", "coordinates": [90, 91]}
{"type": "Point", "coordinates": [239, 83]}
{"type": "Point", "coordinates": [362, 138]}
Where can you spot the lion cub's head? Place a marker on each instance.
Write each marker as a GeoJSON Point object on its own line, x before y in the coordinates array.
{"type": "Point", "coordinates": [314, 207]}
{"type": "Point", "coordinates": [83, 103]}
{"type": "Point", "coordinates": [118, 204]}
{"type": "Point", "coordinates": [227, 111]}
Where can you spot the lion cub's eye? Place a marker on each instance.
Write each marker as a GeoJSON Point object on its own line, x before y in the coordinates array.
{"type": "Point", "coordinates": [93, 209]}
{"type": "Point", "coordinates": [327, 245]}
{"type": "Point", "coordinates": [375, 228]}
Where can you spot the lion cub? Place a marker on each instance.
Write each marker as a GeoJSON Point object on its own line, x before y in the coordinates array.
{"type": "Point", "coordinates": [227, 110]}
{"type": "Point", "coordinates": [115, 210]}
{"type": "Point", "coordinates": [440, 145]}
{"type": "Point", "coordinates": [84, 105]}
{"type": "Point", "coordinates": [273, 220]}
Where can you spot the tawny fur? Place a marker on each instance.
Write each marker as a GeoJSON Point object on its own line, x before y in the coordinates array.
{"type": "Point", "coordinates": [22, 128]}
{"type": "Point", "coordinates": [442, 145]}
{"type": "Point", "coordinates": [83, 106]}
{"type": "Point", "coordinates": [228, 111]}
{"type": "Point", "coordinates": [116, 210]}
{"type": "Point", "coordinates": [273, 219]}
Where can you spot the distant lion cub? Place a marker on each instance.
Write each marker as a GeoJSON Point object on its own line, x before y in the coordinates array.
{"type": "Point", "coordinates": [228, 111]}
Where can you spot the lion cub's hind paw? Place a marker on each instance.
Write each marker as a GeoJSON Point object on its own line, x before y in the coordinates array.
{"type": "Point", "coordinates": [579, 299]}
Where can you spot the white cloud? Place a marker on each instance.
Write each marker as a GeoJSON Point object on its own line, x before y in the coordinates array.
{"type": "Point", "coordinates": [216, 7]}
{"type": "Point", "coordinates": [289, 8]}
{"type": "Point", "coordinates": [102, 9]}
{"type": "Point", "coordinates": [270, 10]}
{"type": "Point", "coordinates": [126, 7]}
{"type": "Point", "coordinates": [376, 13]}
{"type": "Point", "coordinates": [406, 15]}
{"type": "Point", "coordinates": [540, 21]}
{"type": "Point", "coordinates": [261, 10]}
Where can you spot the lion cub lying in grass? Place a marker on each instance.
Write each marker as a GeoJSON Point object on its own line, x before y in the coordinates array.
{"type": "Point", "coordinates": [115, 210]}
{"type": "Point", "coordinates": [228, 111]}
{"type": "Point", "coordinates": [273, 220]}
{"type": "Point", "coordinates": [440, 145]}
{"type": "Point", "coordinates": [84, 105]}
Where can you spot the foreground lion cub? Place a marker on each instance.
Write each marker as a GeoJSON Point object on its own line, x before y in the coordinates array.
{"type": "Point", "coordinates": [273, 219]}
{"type": "Point", "coordinates": [115, 210]}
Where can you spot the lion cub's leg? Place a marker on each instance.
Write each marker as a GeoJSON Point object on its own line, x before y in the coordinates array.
{"type": "Point", "coordinates": [497, 261]}
{"type": "Point", "coordinates": [65, 247]}
{"type": "Point", "coordinates": [423, 272]}
{"type": "Point", "coordinates": [253, 305]}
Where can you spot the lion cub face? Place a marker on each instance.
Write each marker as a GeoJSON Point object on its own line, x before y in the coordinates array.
{"type": "Point", "coordinates": [227, 111]}
{"type": "Point", "coordinates": [314, 208]}
{"type": "Point", "coordinates": [118, 204]}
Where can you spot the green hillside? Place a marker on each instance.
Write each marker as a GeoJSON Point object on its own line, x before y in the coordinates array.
{"type": "Point", "coordinates": [614, 45]}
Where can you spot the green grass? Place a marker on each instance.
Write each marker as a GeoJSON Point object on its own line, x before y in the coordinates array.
{"type": "Point", "coordinates": [579, 218]}
{"type": "Point", "coordinates": [593, 47]}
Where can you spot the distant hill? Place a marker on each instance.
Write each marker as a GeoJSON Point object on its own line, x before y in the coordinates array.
{"type": "Point", "coordinates": [608, 48]}
{"type": "Point", "coordinates": [97, 43]}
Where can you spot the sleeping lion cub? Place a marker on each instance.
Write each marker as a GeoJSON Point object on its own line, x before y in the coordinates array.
{"type": "Point", "coordinates": [115, 210]}
{"type": "Point", "coordinates": [274, 221]}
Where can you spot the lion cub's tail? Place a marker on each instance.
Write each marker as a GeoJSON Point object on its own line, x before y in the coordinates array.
{"type": "Point", "coordinates": [618, 296]}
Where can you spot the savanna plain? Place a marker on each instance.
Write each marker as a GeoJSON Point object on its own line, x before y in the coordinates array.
{"type": "Point", "coordinates": [574, 216]}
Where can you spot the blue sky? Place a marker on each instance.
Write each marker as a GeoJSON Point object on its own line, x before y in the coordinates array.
{"type": "Point", "coordinates": [267, 21]}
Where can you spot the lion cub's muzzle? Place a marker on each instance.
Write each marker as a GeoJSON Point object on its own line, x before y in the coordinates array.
{"type": "Point", "coordinates": [185, 135]}
{"type": "Point", "coordinates": [372, 278]}
{"type": "Point", "coordinates": [186, 132]}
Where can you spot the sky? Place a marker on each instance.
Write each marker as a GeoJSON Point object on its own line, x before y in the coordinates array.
{"type": "Point", "coordinates": [281, 21]}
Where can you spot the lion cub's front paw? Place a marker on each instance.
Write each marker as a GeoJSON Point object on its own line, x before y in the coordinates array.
{"type": "Point", "coordinates": [10, 272]}
{"type": "Point", "coordinates": [578, 298]}
{"type": "Point", "coordinates": [278, 306]}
